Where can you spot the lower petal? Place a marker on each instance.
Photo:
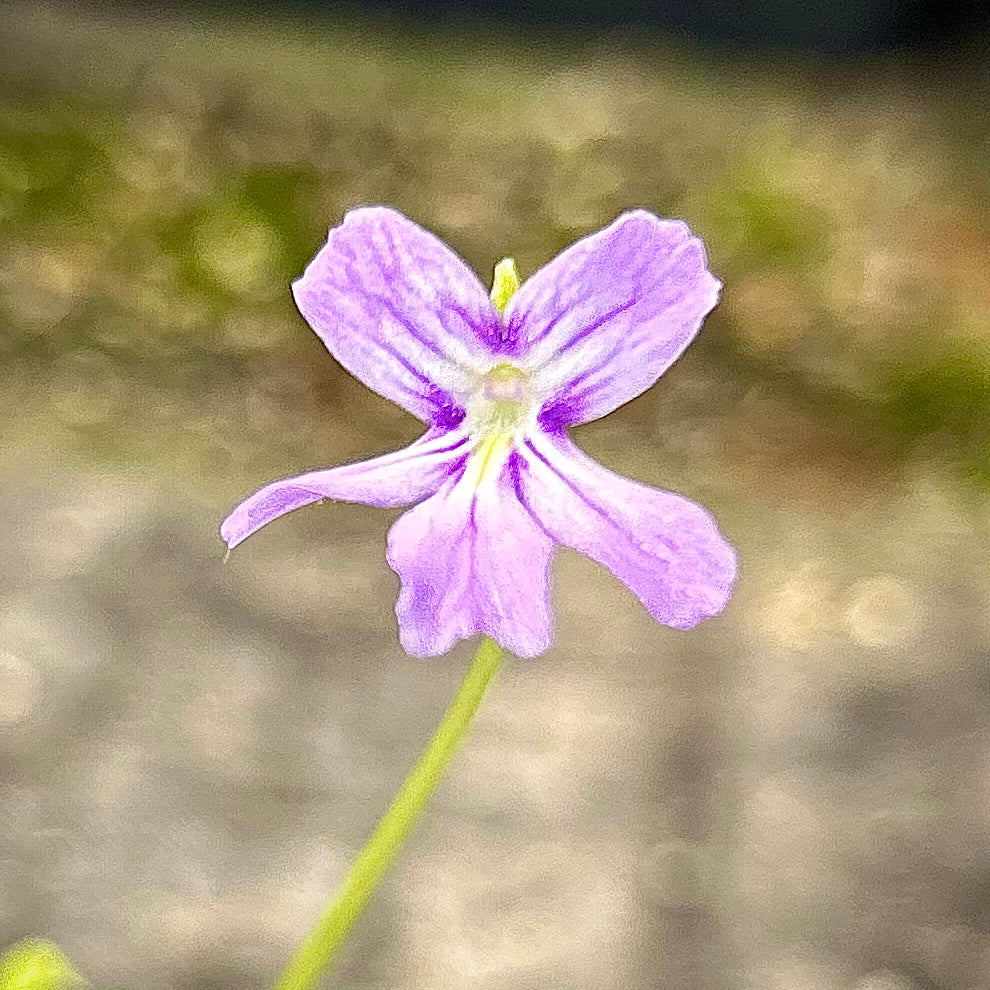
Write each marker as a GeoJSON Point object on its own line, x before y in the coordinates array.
{"type": "Point", "coordinates": [400, 478]}
{"type": "Point", "coordinates": [472, 560]}
{"type": "Point", "coordinates": [665, 548]}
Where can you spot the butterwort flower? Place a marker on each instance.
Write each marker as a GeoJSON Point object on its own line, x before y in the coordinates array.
{"type": "Point", "coordinates": [495, 482]}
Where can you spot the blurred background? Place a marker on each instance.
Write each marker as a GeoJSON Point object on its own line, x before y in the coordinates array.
{"type": "Point", "coordinates": [793, 796]}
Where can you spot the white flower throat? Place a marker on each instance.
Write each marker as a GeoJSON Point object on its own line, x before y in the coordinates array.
{"type": "Point", "coordinates": [502, 402]}
{"type": "Point", "coordinates": [500, 413]}
{"type": "Point", "coordinates": [502, 408]}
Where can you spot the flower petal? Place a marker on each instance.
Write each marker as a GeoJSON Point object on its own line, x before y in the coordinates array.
{"type": "Point", "coordinates": [471, 561]}
{"type": "Point", "coordinates": [601, 322]}
{"type": "Point", "coordinates": [400, 311]}
{"type": "Point", "coordinates": [400, 478]}
{"type": "Point", "coordinates": [665, 548]}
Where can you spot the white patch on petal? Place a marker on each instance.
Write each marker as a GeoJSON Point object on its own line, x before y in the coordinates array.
{"type": "Point", "coordinates": [500, 414]}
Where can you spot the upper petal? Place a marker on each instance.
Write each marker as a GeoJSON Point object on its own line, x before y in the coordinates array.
{"type": "Point", "coordinates": [665, 548]}
{"type": "Point", "coordinates": [602, 321]}
{"type": "Point", "coordinates": [471, 561]}
{"type": "Point", "coordinates": [399, 478]}
{"type": "Point", "coordinates": [399, 310]}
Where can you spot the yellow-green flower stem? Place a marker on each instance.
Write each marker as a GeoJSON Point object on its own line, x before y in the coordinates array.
{"type": "Point", "coordinates": [315, 954]}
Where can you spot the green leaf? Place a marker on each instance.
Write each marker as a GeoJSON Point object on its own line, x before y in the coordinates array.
{"type": "Point", "coordinates": [37, 965]}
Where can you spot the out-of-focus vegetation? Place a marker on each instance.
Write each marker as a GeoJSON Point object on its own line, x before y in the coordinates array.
{"type": "Point", "coordinates": [161, 182]}
{"type": "Point", "coordinates": [37, 965]}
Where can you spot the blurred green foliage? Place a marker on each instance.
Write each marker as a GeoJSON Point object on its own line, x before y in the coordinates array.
{"type": "Point", "coordinates": [162, 181]}
{"type": "Point", "coordinates": [37, 965]}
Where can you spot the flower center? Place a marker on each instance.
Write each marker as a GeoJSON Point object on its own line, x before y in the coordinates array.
{"type": "Point", "coordinates": [502, 405]}
{"type": "Point", "coordinates": [502, 401]}
{"type": "Point", "coordinates": [498, 415]}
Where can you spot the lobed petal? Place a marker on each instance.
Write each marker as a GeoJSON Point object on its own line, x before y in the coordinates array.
{"type": "Point", "coordinates": [600, 323]}
{"type": "Point", "coordinates": [400, 311]}
{"type": "Point", "coordinates": [472, 561]}
{"type": "Point", "coordinates": [400, 478]}
{"type": "Point", "coordinates": [665, 548]}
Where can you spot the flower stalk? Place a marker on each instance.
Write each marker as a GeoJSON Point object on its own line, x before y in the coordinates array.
{"type": "Point", "coordinates": [317, 951]}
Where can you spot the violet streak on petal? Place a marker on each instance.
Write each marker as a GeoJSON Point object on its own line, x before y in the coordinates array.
{"type": "Point", "coordinates": [665, 548]}
{"type": "Point", "coordinates": [400, 311]}
{"type": "Point", "coordinates": [472, 561]}
{"type": "Point", "coordinates": [602, 321]}
{"type": "Point", "coordinates": [400, 478]}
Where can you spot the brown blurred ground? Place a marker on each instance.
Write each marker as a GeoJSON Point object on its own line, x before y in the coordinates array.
{"type": "Point", "coordinates": [795, 796]}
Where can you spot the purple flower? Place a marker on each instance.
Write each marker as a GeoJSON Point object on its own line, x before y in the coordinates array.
{"type": "Point", "coordinates": [495, 482]}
